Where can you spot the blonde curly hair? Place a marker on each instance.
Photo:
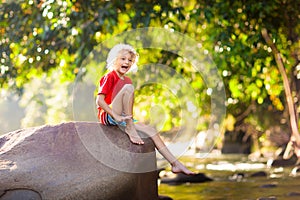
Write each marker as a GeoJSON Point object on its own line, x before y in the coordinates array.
{"type": "Point", "coordinates": [113, 54]}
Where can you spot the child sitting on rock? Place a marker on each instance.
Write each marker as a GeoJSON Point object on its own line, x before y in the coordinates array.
{"type": "Point", "coordinates": [115, 102]}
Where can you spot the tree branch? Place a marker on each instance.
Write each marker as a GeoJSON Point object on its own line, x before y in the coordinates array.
{"type": "Point", "coordinates": [295, 137]}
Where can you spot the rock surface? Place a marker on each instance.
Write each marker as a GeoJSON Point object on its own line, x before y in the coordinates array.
{"type": "Point", "coordinates": [182, 178]}
{"type": "Point", "coordinates": [76, 160]}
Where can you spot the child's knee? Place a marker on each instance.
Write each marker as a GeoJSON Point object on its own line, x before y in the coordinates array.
{"type": "Point", "coordinates": [128, 88]}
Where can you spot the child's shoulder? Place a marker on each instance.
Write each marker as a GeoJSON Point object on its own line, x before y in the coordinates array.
{"type": "Point", "coordinates": [109, 74]}
{"type": "Point", "coordinates": [107, 77]}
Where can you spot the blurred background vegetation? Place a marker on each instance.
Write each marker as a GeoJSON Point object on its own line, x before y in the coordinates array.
{"type": "Point", "coordinates": [45, 43]}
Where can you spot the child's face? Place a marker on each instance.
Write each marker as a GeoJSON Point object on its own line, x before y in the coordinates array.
{"type": "Point", "coordinates": [124, 62]}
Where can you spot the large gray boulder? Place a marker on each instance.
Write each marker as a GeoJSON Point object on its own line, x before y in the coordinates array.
{"type": "Point", "coordinates": [76, 160]}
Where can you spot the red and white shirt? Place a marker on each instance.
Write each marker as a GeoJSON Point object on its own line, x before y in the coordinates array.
{"type": "Point", "coordinates": [110, 85]}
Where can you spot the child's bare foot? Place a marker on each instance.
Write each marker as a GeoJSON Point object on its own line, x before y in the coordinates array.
{"type": "Point", "coordinates": [133, 135]}
{"type": "Point", "coordinates": [178, 167]}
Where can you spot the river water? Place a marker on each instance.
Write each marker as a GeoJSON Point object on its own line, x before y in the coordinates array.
{"type": "Point", "coordinates": [233, 180]}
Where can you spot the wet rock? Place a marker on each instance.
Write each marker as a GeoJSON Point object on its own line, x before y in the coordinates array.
{"type": "Point", "coordinates": [293, 194]}
{"type": "Point", "coordinates": [76, 160]}
{"type": "Point", "coordinates": [280, 162]}
{"type": "Point", "coordinates": [259, 174]}
{"type": "Point", "coordinates": [162, 197]}
{"type": "Point", "coordinates": [269, 185]}
{"type": "Point", "coordinates": [267, 198]}
{"type": "Point", "coordinates": [183, 178]}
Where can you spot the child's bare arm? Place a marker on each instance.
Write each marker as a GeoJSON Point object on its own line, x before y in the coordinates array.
{"type": "Point", "coordinates": [101, 103]}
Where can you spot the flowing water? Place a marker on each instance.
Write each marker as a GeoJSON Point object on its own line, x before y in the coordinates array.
{"type": "Point", "coordinates": [233, 180]}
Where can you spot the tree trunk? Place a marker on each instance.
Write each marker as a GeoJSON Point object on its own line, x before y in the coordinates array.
{"type": "Point", "coordinates": [295, 137]}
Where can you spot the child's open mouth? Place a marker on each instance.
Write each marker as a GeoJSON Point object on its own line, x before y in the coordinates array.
{"type": "Point", "coordinates": [124, 67]}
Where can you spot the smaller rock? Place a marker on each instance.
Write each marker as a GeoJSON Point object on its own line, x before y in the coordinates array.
{"type": "Point", "coordinates": [280, 162]}
{"type": "Point", "coordinates": [269, 185]}
{"type": "Point", "coordinates": [183, 178]}
{"type": "Point", "coordinates": [292, 194]}
{"type": "Point", "coordinates": [162, 197]}
{"type": "Point", "coordinates": [259, 174]}
{"type": "Point", "coordinates": [267, 198]}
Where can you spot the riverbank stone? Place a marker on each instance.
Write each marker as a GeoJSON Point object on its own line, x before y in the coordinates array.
{"type": "Point", "coordinates": [183, 178]}
{"type": "Point", "coordinates": [69, 161]}
{"type": "Point", "coordinates": [281, 162]}
{"type": "Point", "coordinates": [259, 174]}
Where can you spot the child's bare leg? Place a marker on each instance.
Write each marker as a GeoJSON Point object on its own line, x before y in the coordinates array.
{"type": "Point", "coordinates": [177, 166]}
{"type": "Point", "coordinates": [128, 100]}
{"type": "Point", "coordinates": [123, 104]}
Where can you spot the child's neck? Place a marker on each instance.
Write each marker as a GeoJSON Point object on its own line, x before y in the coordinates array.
{"type": "Point", "coordinates": [120, 75]}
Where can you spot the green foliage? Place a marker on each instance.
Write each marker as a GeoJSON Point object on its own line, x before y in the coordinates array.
{"type": "Point", "coordinates": [247, 62]}
{"type": "Point", "coordinates": [41, 38]}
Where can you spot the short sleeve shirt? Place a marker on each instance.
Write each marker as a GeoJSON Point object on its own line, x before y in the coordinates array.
{"type": "Point", "coordinates": [111, 84]}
